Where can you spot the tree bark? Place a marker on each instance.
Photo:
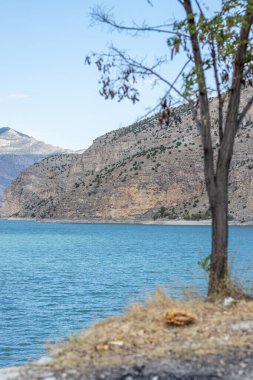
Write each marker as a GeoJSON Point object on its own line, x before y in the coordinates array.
{"type": "Point", "coordinates": [218, 275]}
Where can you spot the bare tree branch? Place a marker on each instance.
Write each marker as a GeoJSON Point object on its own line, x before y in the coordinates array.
{"type": "Point", "coordinates": [218, 89]}
{"type": "Point", "coordinates": [142, 69]}
{"type": "Point", "coordinates": [101, 16]}
{"type": "Point", "coordinates": [244, 111]}
{"type": "Point", "coordinates": [204, 105]}
{"type": "Point", "coordinates": [167, 92]}
{"type": "Point", "coordinates": [195, 117]}
{"type": "Point", "coordinates": [157, 106]}
{"type": "Point", "coordinates": [200, 9]}
{"type": "Point", "coordinates": [231, 125]}
{"type": "Point", "coordinates": [248, 71]}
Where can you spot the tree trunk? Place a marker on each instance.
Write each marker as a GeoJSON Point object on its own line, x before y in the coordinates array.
{"type": "Point", "coordinates": [218, 276]}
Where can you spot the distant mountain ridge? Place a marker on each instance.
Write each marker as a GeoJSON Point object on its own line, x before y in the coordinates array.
{"type": "Point", "coordinates": [18, 151]}
{"type": "Point", "coordinates": [4, 130]}
{"type": "Point", "coordinates": [14, 142]}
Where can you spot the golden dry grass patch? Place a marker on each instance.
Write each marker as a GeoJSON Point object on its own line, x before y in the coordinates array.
{"type": "Point", "coordinates": [142, 332]}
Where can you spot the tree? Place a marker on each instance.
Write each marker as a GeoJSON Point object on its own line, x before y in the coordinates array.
{"type": "Point", "coordinates": [218, 61]}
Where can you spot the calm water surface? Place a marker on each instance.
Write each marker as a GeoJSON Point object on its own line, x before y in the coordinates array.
{"type": "Point", "coordinates": [57, 278]}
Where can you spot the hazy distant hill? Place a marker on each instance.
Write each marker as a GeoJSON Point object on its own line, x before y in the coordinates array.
{"type": "Point", "coordinates": [17, 152]}
{"type": "Point", "coordinates": [142, 171]}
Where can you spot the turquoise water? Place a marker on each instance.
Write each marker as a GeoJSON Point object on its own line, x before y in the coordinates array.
{"type": "Point", "coordinates": [57, 278]}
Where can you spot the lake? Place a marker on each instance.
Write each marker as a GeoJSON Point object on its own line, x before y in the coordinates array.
{"type": "Point", "coordinates": [58, 278]}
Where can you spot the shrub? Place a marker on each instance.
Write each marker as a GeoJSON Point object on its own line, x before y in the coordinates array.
{"type": "Point", "coordinates": [200, 215]}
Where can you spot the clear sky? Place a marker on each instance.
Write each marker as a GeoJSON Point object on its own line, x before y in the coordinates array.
{"type": "Point", "coordinates": [46, 90]}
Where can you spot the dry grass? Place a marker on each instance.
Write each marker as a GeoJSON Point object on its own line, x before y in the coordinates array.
{"type": "Point", "coordinates": [141, 332]}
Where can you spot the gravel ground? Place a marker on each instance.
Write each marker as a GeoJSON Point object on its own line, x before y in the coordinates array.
{"type": "Point", "coordinates": [238, 365]}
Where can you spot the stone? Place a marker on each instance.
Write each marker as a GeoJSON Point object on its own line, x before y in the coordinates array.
{"type": "Point", "coordinates": [228, 301]}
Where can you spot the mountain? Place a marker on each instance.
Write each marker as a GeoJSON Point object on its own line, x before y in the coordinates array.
{"type": "Point", "coordinates": [138, 172]}
{"type": "Point", "coordinates": [14, 142]}
{"type": "Point", "coordinates": [17, 152]}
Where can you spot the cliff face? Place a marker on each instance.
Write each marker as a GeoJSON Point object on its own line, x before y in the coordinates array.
{"type": "Point", "coordinates": [11, 165]}
{"type": "Point", "coordinates": [141, 171]}
{"type": "Point", "coordinates": [40, 187]}
{"type": "Point", "coordinates": [17, 152]}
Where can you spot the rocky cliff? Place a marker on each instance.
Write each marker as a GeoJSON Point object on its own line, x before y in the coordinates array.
{"type": "Point", "coordinates": [12, 165]}
{"type": "Point", "coordinates": [142, 171]}
{"type": "Point", "coordinates": [17, 152]}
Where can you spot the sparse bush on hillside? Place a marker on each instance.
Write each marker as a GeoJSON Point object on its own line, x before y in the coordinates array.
{"type": "Point", "coordinates": [200, 215]}
{"type": "Point", "coordinates": [165, 212]}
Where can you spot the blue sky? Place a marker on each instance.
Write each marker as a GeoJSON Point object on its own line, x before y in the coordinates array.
{"type": "Point", "coordinates": [45, 88]}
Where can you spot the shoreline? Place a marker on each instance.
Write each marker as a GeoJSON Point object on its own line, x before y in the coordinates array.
{"type": "Point", "coordinates": [138, 344]}
{"type": "Point", "coordinates": [174, 222]}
